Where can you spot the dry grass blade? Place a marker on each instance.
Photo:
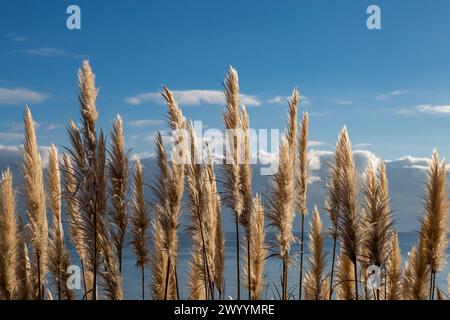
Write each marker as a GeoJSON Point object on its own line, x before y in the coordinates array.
{"type": "Point", "coordinates": [9, 283]}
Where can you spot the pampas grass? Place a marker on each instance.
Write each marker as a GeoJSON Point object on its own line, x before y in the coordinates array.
{"type": "Point", "coordinates": [345, 274]}
{"type": "Point", "coordinates": [255, 274]}
{"type": "Point", "coordinates": [415, 277]}
{"type": "Point", "coordinates": [74, 218]}
{"type": "Point", "coordinates": [349, 221]}
{"type": "Point", "coordinates": [35, 203]}
{"type": "Point", "coordinates": [140, 223]}
{"type": "Point", "coordinates": [302, 185]}
{"type": "Point", "coordinates": [394, 269]}
{"type": "Point", "coordinates": [376, 221]}
{"type": "Point", "coordinates": [118, 175]}
{"type": "Point", "coordinates": [315, 277]}
{"type": "Point", "coordinates": [281, 212]}
{"type": "Point", "coordinates": [23, 270]}
{"type": "Point", "coordinates": [168, 189]}
{"type": "Point", "coordinates": [333, 207]}
{"type": "Point", "coordinates": [83, 153]}
{"type": "Point", "coordinates": [9, 283]}
{"type": "Point", "coordinates": [201, 274]}
{"type": "Point", "coordinates": [94, 195]}
{"type": "Point", "coordinates": [232, 181]}
{"type": "Point", "coordinates": [245, 173]}
{"type": "Point", "coordinates": [433, 232]}
{"type": "Point", "coordinates": [58, 254]}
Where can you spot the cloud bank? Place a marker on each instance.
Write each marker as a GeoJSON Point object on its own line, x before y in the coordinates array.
{"type": "Point", "coordinates": [192, 98]}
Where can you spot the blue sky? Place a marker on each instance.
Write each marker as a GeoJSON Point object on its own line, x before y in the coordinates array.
{"type": "Point", "coordinates": [390, 87]}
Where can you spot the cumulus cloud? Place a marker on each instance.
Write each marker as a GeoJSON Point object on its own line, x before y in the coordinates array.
{"type": "Point", "coordinates": [144, 122]}
{"type": "Point", "coordinates": [315, 143]}
{"type": "Point", "coordinates": [192, 98]}
{"type": "Point", "coordinates": [21, 96]}
{"type": "Point", "coordinates": [16, 37]}
{"type": "Point", "coordinates": [47, 52]}
{"type": "Point", "coordinates": [285, 99]}
{"type": "Point", "coordinates": [10, 136]}
{"type": "Point", "coordinates": [342, 102]}
{"type": "Point", "coordinates": [389, 95]}
{"type": "Point", "coordinates": [426, 109]}
{"type": "Point", "coordinates": [431, 109]}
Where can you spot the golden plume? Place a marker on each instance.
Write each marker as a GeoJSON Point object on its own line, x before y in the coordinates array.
{"type": "Point", "coordinates": [315, 277]}
{"type": "Point", "coordinates": [302, 185]}
{"type": "Point", "coordinates": [281, 212]}
{"type": "Point", "coordinates": [258, 249]}
{"type": "Point", "coordinates": [35, 203]}
{"type": "Point", "coordinates": [394, 269]}
{"type": "Point", "coordinates": [58, 255]}
{"type": "Point", "coordinates": [349, 233]}
{"type": "Point", "coordinates": [9, 243]}
{"type": "Point", "coordinates": [140, 221]}
{"type": "Point", "coordinates": [118, 175]}
{"type": "Point", "coordinates": [434, 224]}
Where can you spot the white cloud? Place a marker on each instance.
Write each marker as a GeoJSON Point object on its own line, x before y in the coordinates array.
{"type": "Point", "coordinates": [426, 108]}
{"type": "Point", "coordinates": [277, 100]}
{"type": "Point", "coordinates": [410, 162]}
{"type": "Point", "coordinates": [10, 136]}
{"type": "Point", "coordinates": [21, 96]}
{"type": "Point", "coordinates": [144, 122]}
{"type": "Point", "coordinates": [285, 99]}
{"type": "Point", "coordinates": [142, 155]}
{"type": "Point", "coordinates": [192, 97]}
{"type": "Point", "coordinates": [343, 102]}
{"type": "Point", "coordinates": [19, 126]}
{"type": "Point", "coordinates": [52, 52]}
{"type": "Point", "coordinates": [362, 145]}
{"type": "Point", "coordinates": [315, 158]}
{"type": "Point", "coordinates": [314, 143]}
{"type": "Point", "coordinates": [16, 37]}
{"type": "Point", "coordinates": [52, 126]}
{"type": "Point", "coordinates": [387, 96]}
